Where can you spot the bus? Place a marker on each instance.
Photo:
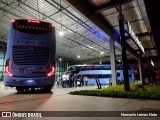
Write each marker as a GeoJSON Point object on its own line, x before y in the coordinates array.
{"type": "Point", "coordinates": [30, 55]}
{"type": "Point", "coordinates": [103, 72]}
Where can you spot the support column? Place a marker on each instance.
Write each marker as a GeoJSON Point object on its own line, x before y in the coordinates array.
{"type": "Point", "coordinates": [141, 69]}
{"type": "Point", "coordinates": [148, 65]}
{"type": "Point", "coordinates": [113, 64]}
{"type": "Point", "coordinates": [123, 49]}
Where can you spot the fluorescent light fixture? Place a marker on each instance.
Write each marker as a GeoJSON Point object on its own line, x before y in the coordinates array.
{"type": "Point", "coordinates": [102, 52]}
{"type": "Point", "coordinates": [78, 56]}
{"type": "Point", "coordinates": [119, 60]}
{"type": "Point", "coordinates": [91, 47]}
{"type": "Point", "coordinates": [61, 33]}
{"type": "Point", "coordinates": [152, 63]}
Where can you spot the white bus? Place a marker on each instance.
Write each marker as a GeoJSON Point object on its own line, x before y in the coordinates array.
{"type": "Point", "coordinates": [103, 72]}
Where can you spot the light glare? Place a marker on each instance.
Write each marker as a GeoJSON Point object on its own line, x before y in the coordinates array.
{"type": "Point", "coordinates": [102, 52]}
{"type": "Point", "coordinates": [61, 33]}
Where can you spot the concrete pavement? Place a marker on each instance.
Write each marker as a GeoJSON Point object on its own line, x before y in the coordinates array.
{"type": "Point", "coordinates": [60, 100]}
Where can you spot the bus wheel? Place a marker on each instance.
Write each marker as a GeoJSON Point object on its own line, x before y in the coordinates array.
{"type": "Point", "coordinates": [19, 89]}
{"type": "Point", "coordinates": [47, 89]}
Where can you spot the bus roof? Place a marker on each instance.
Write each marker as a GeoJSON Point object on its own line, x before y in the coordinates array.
{"type": "Point", "coordinates": [29, 21]}
{"type": "Point", "coordinates": [95, 65]}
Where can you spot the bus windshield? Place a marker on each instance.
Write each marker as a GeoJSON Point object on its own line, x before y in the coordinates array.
{"type": "Point", "coordinates": [32, 33]}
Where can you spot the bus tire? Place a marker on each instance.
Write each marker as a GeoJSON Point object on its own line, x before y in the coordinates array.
{"type": "Point", "coordinates": [20, 89]}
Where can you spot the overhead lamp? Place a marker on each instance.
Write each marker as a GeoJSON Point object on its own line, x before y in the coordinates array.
{"type": "Point", "coordinates": [91, 47]}
{"type": "Point", "coordinates": [119, 60]}
{"type": "Point", "coordinates": [78, 56]}
{"type": "Point", "coordinates": [152, 63]}
{"type": "Point", "coordinates": [100, 62]}
{"type": "Point", "coordinates": [60, 59]}
{"type": "Point", "coordinates": [61, 33]}
{"type": "Point", "coordinates": [102, 52]}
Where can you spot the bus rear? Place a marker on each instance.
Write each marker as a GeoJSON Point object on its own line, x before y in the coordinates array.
{"type": "Point", "coordinates": [30, 56]}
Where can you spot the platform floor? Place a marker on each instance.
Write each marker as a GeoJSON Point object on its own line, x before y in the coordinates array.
{"type": "Point", "coordinates": [60, 100]}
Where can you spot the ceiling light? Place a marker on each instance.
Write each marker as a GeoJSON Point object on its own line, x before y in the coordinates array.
{"type": "Point", "coordinates": [61, 33]}
{"type": "Point", "coordinates": [91, 47]}
{"type": "Point", "coordinates": [119, 60]}
{"type": "Point", "coordinates": [152, 63]}
{"type": "Point", "coordinates": [60, 59]}
{"type": "Point", "coordinates": [100, 62]}
{"type": "Point", "coordinates": [102, 52]}
{"type": "Point", "coordinates": [78, 56]}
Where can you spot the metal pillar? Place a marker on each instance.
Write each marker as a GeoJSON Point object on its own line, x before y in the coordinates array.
{"type": "Point", "coordinates": [141, 69]}
{"type": "Point", "coordinates": [148, 65]}
{"type": "Point", "coordinates": [113, 64]}
{"type": "Point", "coordinates": [123, 49]}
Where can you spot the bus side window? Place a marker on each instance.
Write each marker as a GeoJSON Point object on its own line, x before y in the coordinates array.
{"type": "Point", "coordinates": [118, 74]}
{"type": "Point", "coordinates": [109, 76]}
{"type": "Point", "coordinates": [129, 75]}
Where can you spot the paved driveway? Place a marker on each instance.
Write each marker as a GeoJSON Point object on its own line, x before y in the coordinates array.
{"type": "Point", "coordinates": [60, 100]}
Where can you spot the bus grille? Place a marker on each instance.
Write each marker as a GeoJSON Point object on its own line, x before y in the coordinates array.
{"type": "Point", "coordinates": [30, 55]}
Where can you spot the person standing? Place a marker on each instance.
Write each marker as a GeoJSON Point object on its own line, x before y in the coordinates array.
{"type": "Point", "coordinates": [98, 82]}
{"type": "Point", "coordinates": [64, 80]}
{"type": "Point", "coordinates": [67, 79]}
{"type": "Point", "coordinates": [75, 79]}
{"type": "Point", "coordinates": [81, 80]}
{"type": "Point", "coordinates": [70, 79]}
{"type": "Point", "coordinates": [86, 80]}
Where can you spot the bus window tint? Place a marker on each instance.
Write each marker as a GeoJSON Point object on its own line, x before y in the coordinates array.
{"type": "Point", "coordinates": [83, 68]}
{"type": "Point", "coordinates": [129, 75]}
{"type": "Point", "coordinates": [106, 68]}
{"type": "Point", "coordinates": [71, 69]}
{"type": "Point", "coordinates": [98, 76]}
{"type": "Point", "coordinates": [118, 74]}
